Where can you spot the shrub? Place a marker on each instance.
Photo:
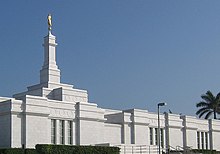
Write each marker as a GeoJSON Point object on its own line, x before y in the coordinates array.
{"type": "Point", "coordinates": [11, 151]}
{"type": "Point", "coordinates": [62, 149]}
{"type": "Point", "coordinates": [203, 151]}
{"type": "Point", "coordinates": [65, 149]}
{"type": "Point", "coordinates": [30, 151]}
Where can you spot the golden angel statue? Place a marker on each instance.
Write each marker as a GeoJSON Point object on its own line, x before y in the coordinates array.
{"type": "Point", "coordinates": [49, 21]}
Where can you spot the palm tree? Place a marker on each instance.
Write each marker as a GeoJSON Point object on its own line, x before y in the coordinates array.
{"type": "Point", "coordinates": [210, 105]}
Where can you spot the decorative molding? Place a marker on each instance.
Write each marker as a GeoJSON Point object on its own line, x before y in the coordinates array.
{"type": "Point", "coordinates": [62, 113]}
{"type": "Point", "coordinates": [36, 114]}
{"type": "Point", "coordinates": [91, 119]}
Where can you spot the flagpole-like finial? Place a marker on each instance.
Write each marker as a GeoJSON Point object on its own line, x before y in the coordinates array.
{"type": "Point", "coordinates": [49, 21]}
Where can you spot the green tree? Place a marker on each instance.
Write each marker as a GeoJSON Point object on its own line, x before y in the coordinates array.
{"type": "Point", "coordinates": [209, 105]}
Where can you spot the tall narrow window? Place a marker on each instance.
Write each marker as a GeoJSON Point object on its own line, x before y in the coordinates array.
{"type": "Point", "coordinates": [156, 134]}
{"type": "Point", "coordinates": [53, 131]}
{"type": "Point", "coordinates": [202, 138]}
{"type": "Point", "coordinates": [69, 131]}
{"type": "Point", "coordinates": [151, 136]}
{"type": "Point", "coordinates": [206, 140]}
{"type": "Point", "coordinates": [161, 138]}
{"type": "Point", "coordinates": [198, 140]}
{"type": "Point", "coordinates": [61, 131]}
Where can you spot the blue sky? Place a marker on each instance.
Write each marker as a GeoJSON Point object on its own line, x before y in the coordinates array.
{"type": "Point", "coordinates": [126, 53]}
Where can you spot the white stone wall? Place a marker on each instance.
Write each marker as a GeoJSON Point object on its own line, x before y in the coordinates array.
{"type": "Point", "coordinates": [17, 130]}
{"type": "Point", "coordinates": [5, 130]}
{"type": "Point", "coordinates": [174, 132]}
{"type": "Point", "coordinates": [141, 134]}
{"type": "Point", "coordinates": [176, 137]}
{"type": "Point", "coordinates": [214, 134]}
{"type": "Point", "coordinates": [112, 133]}
{"type": "Point", "coordinates": [5, 122]}
{"type": "Point", "coordinates": [89, 123]}
{"type": "Point", "coordinates": [37, 130]}
{"type": "Point", "coordinates": [141, 121]}
{"type": "Point", "coordinates": [191, 138]}
{"type": "Point", "coordinates": [190, 128]}
{"type": "Point", "coordinates": [127, 133]}
{"type": "Point", "coordinates": [91, 132]}
{"type": "Point", "coordinates": [70, 95]}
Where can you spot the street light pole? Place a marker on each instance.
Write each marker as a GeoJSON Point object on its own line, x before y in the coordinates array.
{"type": "Point", "coordinates": [158, 130]}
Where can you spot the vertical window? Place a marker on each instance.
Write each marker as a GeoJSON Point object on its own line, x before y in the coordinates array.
{"type": "Point", "coordinates": [162, 138]}
{"type": "Point", "coordinates": [69, 131]}
{"type": "Point", "coordinates": [206, 140]}
{"type": "Point", "coordinates": [202, 138]}
{"type": "Point", "coordinates": [156, 134]}
{"type": "Point", "coordinates": [61, 131]}
{"type": "Point", "coordinates": [53, 131]}
{"type": "Point", "coordinates": [198, 140]}
{"type": "Point", "coordinates": [151, 136]}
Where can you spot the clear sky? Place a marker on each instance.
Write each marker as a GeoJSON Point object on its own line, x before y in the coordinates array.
{"type": "Point", "coordinates": [126, 53]}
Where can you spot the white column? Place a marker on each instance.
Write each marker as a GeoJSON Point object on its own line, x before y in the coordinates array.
{"type": "Point", "coordinates": [66, 125]}
{"type": "Point", "coordinates": [74, 132]}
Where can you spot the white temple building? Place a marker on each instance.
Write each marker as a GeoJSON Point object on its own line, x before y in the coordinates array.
{"type": "Point", "coordinates": [55, 113]}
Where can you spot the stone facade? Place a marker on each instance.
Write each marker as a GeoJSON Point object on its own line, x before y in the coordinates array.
{"type": "Point", "coordinates": [55, 113]}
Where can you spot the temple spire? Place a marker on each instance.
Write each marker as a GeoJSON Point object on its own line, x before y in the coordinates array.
{"type": "Point", "coordinates": [49, 72]}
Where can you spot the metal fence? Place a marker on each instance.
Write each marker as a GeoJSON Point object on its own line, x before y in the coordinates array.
{"type": "Point", "coordinates": [138, 149]}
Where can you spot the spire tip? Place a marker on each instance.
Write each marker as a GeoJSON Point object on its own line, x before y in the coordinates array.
{"type": "Point", "coordinates": [49, 21]}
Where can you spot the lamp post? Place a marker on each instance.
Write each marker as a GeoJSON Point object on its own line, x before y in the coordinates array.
{"type": "Point", "coordinates": [158, 131]}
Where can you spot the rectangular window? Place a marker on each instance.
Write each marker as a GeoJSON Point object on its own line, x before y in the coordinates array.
{"type": "Point", "coordinates": [156, 134]}
{"type": "Point", "coordinates": [69, 131]}
{"type": "Point", "coordinates": [202, 138]}
{"type": "Point", "coordinates": [198, 140]}
{"type": "Point", "coordinates": [53, 131]}
{"type": "Point", "coordinates": [206, 140]}
{"type": "Point", "coordinates": [61, 131]}
{"type": "Point", "coordinates": [161, 138]}
{"type": "Point", "coordinates": [151, 136]}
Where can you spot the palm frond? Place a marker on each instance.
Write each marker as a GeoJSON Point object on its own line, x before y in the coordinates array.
{"type": "Point", "coordinates": [202, 104]}
{"type": "Point", "coordinates": [202, 113]}
{"type": "Point", "coordinates": [218, 109]}
{"type": "Point", "coordinates": [210, 95]}
{"type": "Point", "coordinates": [208, 114]}
{"type": "Point", "coordinates": [207, 98]}
{"type": "Point", "coordinates": [201, 110]}
{"type": "Point", "coordinates": [218, 96]}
